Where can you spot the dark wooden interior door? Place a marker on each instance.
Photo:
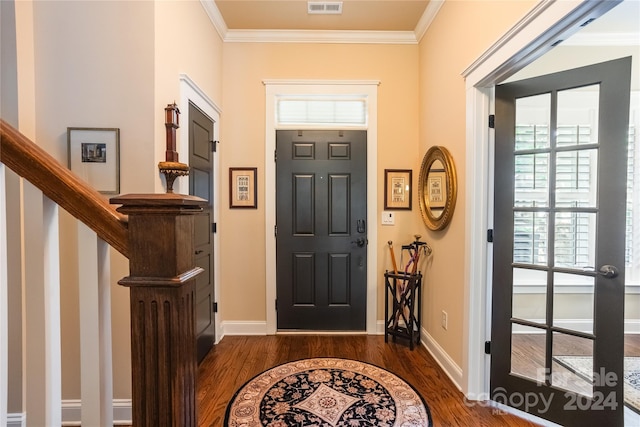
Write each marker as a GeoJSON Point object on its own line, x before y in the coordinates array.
{"type": "Point", "coordinates": [321, 230]}
{"type": "Point", "coordinates": [201, 148]}
{"type": "Point", "coordinates": [559, 242]}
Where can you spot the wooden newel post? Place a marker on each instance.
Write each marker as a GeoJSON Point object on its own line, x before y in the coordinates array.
{"type": "Point", "coordinates": [162, 291]}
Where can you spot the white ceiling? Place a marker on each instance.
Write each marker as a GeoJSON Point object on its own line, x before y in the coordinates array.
{"type": "Point", "coordinates": [619, 26]}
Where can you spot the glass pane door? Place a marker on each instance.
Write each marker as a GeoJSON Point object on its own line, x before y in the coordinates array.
{"type": "Point", "coordinates": [558, 291]}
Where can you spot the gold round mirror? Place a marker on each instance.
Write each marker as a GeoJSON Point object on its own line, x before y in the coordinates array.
{"type": "Point", "coordinates": [437, 188]}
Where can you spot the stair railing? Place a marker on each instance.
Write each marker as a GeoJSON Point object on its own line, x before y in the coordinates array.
{"type": "Point", "coordinates": [156, 233]}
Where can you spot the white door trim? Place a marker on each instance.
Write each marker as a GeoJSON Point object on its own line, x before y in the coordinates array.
{"type": "Point", "coordinates": [530, 38]}
{"type": "Point", "coordinates": [369, 89]}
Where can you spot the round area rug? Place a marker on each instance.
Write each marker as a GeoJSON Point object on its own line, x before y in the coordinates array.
{"type": "Point", "coordinates": [327, 392]}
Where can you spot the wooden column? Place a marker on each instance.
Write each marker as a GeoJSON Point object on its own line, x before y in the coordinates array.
{"type": "Point", "coordinates": [162, 291]}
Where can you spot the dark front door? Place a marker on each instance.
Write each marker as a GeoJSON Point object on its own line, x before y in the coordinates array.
{"type": "Point", "coordinates": [201, 184]}
{"type": "Point", "coordinates": [321, 230]}
{"type": "Point", "coordinates": [559, 241]}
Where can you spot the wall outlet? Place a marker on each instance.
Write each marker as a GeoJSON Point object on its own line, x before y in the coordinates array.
{"type": "Point", "coordinates": [444, 320]}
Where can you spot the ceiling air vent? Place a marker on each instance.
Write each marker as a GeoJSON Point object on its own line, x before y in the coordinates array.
{"type": "Point", "coordinates": [324, 7]}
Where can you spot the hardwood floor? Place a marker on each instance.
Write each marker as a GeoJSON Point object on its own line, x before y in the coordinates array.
{"type": "Point", "coordinates": [236, 359]}
{"type": "Point", "coordinates": [529, 350]}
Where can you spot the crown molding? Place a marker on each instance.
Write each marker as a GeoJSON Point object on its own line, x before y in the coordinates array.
{"type": "Point", "coordinates": [433, 7]}
{"type": "Point", "coordinates": [216, 17]}
{"type": "Point", "coordinates": [603, 39]}
{"type": "Point", "coordinates": [319, 36]}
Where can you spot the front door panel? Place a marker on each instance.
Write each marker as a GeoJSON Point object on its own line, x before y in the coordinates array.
{"type": "Point", "coordinates": [321, 251]}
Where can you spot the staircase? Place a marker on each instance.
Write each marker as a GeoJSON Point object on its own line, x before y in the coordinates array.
{"type": "Point", "coordinates": [155, 232]}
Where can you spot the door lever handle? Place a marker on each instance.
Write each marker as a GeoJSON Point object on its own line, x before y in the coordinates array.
{"type": "Point", "coordinates": [608, 271]}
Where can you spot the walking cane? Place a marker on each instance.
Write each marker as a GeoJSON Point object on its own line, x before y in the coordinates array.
{"type": "Point", "coordinates": [402, 289]}
{"type": "Point", "coordinates": [395, 281]}
{"type": "Point", "coordinates": [414, 257]}
{"type": "Point", "coordinates": [393, 257]}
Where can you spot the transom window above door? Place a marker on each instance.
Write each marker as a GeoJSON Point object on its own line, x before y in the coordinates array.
{"type": "Point", "coordinates": [321, 110]}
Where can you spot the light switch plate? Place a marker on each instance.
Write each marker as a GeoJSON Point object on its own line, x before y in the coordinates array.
{"type": "Point", "coordinates": [388, 218]}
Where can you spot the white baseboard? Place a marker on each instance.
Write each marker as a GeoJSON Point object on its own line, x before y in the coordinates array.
{"type": "Point", "coordinates": [448, 365]}
{"type": "Point", "coordinates": [453, 371]}
{"type": "Point", "coordinates": [260, 328]}
{"type": "Point", "coordinates": [244, 328]}
{"type": "Point", "coordinates": [72, 409]}
{"type": "Point", "coordinates": [17, 420]}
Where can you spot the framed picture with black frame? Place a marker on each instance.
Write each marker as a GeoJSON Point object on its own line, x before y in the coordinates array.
{"type": "Point", "coordinates": [243, 188]}
{"type": "Point", "coordinates": [397, 189]}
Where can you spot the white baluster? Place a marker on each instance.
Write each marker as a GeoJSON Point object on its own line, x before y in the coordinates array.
{"type": "Point", "coordinates": [42, 311]}
{"type": "Point", "coordinates": [95, 329]}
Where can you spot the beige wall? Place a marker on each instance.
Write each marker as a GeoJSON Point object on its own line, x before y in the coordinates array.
{"type": "Point", "coordinates": [185, 42]}
{"type": "Point", "coordinates": [109, 64]}
{"type": "Point", "coordinates": [245, 66]}
{"type": "Point", "coordinates": [117, 64]}
{"type": "Point", "coordinates": [461, 32]}
{"type": "Point", "coordinates": [89, 75]}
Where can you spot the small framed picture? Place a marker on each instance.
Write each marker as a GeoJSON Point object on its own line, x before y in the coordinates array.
{"type": "Point", "coordinates": [437, 188]}
{"type": "Point", "coordinates": [94, 155]}
{"type": "Point", "coordinates": [397, 188]}
{"type": "Point", "coordinates": [243, 188]}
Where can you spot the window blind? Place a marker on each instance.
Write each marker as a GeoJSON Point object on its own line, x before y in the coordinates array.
{"type": "Point", "coordinates": [574, 172]}
{"type": "Point", "coordinates": [322, 110]}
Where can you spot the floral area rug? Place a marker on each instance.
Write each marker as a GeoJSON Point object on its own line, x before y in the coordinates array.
{"type": "Point", "coordinates": [327, 392]}
{"type": "Point", "coordinates": [582, 366]}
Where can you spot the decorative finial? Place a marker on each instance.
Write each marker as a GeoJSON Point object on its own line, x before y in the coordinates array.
{"type": "Point", "coordinates": [172, 168]}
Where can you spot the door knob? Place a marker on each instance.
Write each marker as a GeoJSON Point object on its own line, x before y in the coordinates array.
{"type": "Point", "coordinates": [359, 241]}
{"type": "Point", "coordinates": [609, 271]}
